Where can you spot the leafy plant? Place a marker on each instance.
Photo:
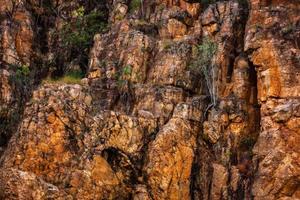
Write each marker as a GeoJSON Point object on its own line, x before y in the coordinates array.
{"type": "Point", "coordinates": [79, 12]}
{"type": "Point", "coordinates": [127, 70]}
{"type": "Point", "coordinates": [22, 73]}
{"type": "Point", "coordinates": [77, 34]}
{"type": "Point", "coordinates": [135, 5]}
{"type": "Point", "coordinates": [203, 64]}
{"type": "Point", "coordinates": [124, 74]}
{"type": "Point", "coordinates": [23, 70]}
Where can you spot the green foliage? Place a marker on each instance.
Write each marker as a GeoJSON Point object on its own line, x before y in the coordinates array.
{"type": "Point", "coordinates": [124, 74]}
{"type": "Point", "coordinates": [79, 12]}
{"type": "Point", "coordinates": [134, 5]}
{"type": "Point", "coordinates": [22, 73]}
{"type": "Point", "coordinates": [206, 51]}
{"type": "Point", "coordinates": [72, 77]}
{"type": "Point", "coordinates": [80, 32]}
{"type": "Point", "coordinates": [127, 70]}
{"type": "Point", "coordinates": [77, 34]}
{"type": "Point", "coordinates": [22, 70]}
{"type": "Point", "coordinates": [203, 65]}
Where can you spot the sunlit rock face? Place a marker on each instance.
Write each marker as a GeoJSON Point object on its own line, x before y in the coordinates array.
{"type": "Point", "coordinates": [143, 124]}
{"type": "Point", "coordinates": [273, 34]}
{"type": "Point", "coordinates": [29, 46]}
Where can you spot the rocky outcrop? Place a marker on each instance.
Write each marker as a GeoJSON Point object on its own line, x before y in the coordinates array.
{"type": "Point", "coordinates": [16, 55]}
{"type": "Point", "coordinates": [25, 185]}
{"type": "Point", "coordinates": [146, 122]}
{"type": "Point", "coordinates": [276, 57]}
{"type": "Point", "coordinates": [170, 156]}
{"type": "Point", "coordinates": [30, 49]}
{"type": "Point", "coordinates": [65, 143]}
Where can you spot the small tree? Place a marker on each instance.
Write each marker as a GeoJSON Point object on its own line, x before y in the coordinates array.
{"type": "Point", "coordinates": [77, 34]}
{"type": "Point", "coordinates": [204, 64]}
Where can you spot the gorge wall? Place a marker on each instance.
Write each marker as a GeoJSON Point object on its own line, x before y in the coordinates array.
{"type": "Point", "coordinates": [152, 118]}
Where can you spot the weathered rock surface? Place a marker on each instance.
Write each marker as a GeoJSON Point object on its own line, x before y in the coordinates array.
{"type": "Point", "coordinates": [276, 57]}
{"type": "Point", "coordinates": [16, 51]}
{"type": "Point", "coordinates": [16, 184]}
{"type": "Point", "coordinates": [141, 124]}
{"type": "Point", "coordinates": [170, 155]}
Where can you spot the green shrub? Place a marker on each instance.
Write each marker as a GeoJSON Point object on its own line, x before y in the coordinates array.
{"type": "Point", "coordinates": [23, 70]}
{"type": "Point", "coordinates": [203, 65]}
{"type": "Point", "coordinates": [124, 75]}
{"type": "Point", "coordinates": [134, 5]}
{"type": "Point", "coordinates": [22, 73]}
{"type": "Point", "coordinates": [77, 34]}
{"type": "Point", "coordinates": [80, 32]}
{"type": "Point", "coordinates": [127, 70]}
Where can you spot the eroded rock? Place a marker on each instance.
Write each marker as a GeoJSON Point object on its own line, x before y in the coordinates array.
{"type": "Point", "coordinates": [140, 125]}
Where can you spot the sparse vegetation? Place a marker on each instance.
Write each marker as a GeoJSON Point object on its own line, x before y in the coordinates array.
{"type": "Point", "coordinates": [73, 77]}
{"type": "Point", "coordinates": [127, 70]}
{"type": "Point", "coordinates": [203, 64]}
{"type": "Point", "coordinates": [22, 73]}
{"type": "Point", "coordinates": [166, 44]}
{"type": "Point", "coordinates": [22, 70]}
{"type": "Point", "coordinates": [135, 5]}
{"type": "Point", "coordinates": [124, 74]}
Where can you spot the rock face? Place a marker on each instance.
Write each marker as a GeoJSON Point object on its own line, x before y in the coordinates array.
{"type": "Point", "coordinates": [16, 52]}
{"type": "Point", "coordinates": [29, 47]}
{"type": "Point", "coordinates": [150, 120]}
{"type": "Point", "coordinates": [276, 57]}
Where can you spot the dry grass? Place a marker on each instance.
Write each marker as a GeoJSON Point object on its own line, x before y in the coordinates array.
{"type": "Point", "coordinates": [69, 78]}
